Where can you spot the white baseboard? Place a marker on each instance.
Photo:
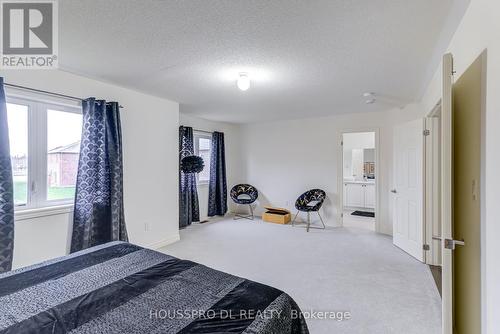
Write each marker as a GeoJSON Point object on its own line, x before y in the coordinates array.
{"type": "Point", "coordinates": [164, 242]}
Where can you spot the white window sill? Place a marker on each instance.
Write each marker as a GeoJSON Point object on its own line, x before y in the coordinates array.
{"type": "Point", "coordinates": [24, 214]}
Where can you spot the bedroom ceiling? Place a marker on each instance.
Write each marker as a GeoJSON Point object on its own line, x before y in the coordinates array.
{"type": "Point", "coordinates": [304, 58]}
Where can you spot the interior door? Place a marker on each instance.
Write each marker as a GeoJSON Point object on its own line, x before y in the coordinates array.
{"type": "Point", "coordinates": [408, 188]}
{"type": "Point", "coordinates": [467, 106]}
{"type": "Point", "coordinates": [446, 193]}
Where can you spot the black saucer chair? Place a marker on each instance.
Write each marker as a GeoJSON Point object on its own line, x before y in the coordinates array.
{"type": "Point", "coordinates": [310, 201]}
{"type": "Point", "coordinates": [244, 194]}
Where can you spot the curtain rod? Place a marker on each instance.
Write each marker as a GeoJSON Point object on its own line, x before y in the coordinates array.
{"type": "Point", "coordinates": [45, 92]}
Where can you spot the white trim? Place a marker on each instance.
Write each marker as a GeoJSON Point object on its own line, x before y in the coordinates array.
{"type": "Point", "coordinates": [26, 214]}
{"type": "Point", "coordinates": [432, 187]}
{"type": "Point", "coordinates": [447, 193]}
{"type": "Point", "coordinates": [164, 242]}
{"type": "Point", "coordinates": [340, 174]}
{"type": "Point", "coordinates": [436, 111]}
{"type": "Point", "coordinates": [482, 194]}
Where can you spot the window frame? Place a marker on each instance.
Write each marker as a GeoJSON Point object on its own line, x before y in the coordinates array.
{"type": "Point", "coordinates": [38, 106]}
{"type": "Point", "coordinates": [196, 136]}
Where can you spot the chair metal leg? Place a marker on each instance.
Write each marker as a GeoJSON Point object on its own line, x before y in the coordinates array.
{"type": "Point", "coordinates": [308, 220]}
{"type": "Point", "coordinates": [249, 217]}
{"type": "Point", "coordinates": [308, 224]}
{"type": "Point", "coordinates": [237, 216]}
{"type": "Point", "coordinates": [324, 226]}
{"type": "Point", "coordinates": [293, 221]}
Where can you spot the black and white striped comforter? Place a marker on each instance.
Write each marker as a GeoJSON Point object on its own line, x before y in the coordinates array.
{"type": "Point", "coordinates": [122, 288]}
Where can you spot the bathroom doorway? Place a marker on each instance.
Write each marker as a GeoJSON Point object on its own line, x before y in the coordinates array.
{"type": "Point", "coordinates": [359, 180]}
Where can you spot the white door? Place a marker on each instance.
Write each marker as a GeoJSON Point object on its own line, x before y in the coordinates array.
{"type": "Point", "coordinates": [370, 196]}
{"type": "Point", "coordinates": [408, 188]}
{"type": "Point", "coordinates": [446, 191]}
{"type": "Point", "coordinates": [355, 196]}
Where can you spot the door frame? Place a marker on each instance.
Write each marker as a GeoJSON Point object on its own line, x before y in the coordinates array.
{"type": "Point", "coordinates": [447, 192]}
{"type": "Point", "coordinates": [340, 174]}
{"type": "Point", "coordinates": [482, 192]}
{"type": "Point", "coordinates": [432, 169]}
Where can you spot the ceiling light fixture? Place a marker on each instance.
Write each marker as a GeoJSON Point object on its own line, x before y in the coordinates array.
{"type": "Point", "coordinates": [243, 82]}
{"type": "Point", "coordinates": [370, 97]}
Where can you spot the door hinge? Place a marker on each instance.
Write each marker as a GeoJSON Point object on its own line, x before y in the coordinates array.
{"type": "Point", "coordinates": [342, 143]}
{"type": "Point", "coordinates": [341, 215]}
{"type": "Point", "coordinates": [426, 132]}
{"type": "Point", "coordinates": [426, 247]}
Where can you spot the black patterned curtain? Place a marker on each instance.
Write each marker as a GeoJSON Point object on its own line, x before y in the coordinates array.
{"type": "Point", "coordinates": [99, 215]}
{"type": "Point", "coordinates": [189, 210]}
{"type": "Point", "coordinates": [217, 191]}
{"type": "Point", "coordinates": [6, 190]}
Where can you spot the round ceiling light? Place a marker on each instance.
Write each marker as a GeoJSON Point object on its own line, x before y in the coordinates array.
{"type": "Point", "coordinates": [370, 97]}
{"type": "Point", "coordinates": [243, 82]}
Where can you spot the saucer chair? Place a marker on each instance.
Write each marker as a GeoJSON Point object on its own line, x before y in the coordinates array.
{"type": "Point", "coordinates": [244, 194]}
{"type": "Point", "coordinates": [310, 201]}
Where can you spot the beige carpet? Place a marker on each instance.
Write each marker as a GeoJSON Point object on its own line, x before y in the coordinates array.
{"type": "Point", "coordinates": [338, 269]}
{"type": "Point", "coordinates": [358, 221]}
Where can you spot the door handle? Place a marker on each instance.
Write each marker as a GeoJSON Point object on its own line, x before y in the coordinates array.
{"type": "Point", "coordinates": [393, 191]}
{"type": "Point", "coordinates": [451, 244]}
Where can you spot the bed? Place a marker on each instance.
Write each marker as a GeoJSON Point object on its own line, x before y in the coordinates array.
{"type": "Point", "coordinates": [123, 288]}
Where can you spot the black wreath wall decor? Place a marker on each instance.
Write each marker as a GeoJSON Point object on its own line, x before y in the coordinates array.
{"type": "Point", "coordinates": [192, 164]}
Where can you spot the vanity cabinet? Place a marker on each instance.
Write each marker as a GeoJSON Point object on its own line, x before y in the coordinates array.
{"type": "Point", "coordinates": [354, 195]}
{"type": "Point", "coordinates": [359, 194]}
{"type": "Point", "coordinates": [370, 196]}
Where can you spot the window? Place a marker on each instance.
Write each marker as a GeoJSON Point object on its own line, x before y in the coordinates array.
{"type": "Point", "coordinates": [17, 116]}
{"type": "Point", "coordinates": [44, 147]}
{"type": "Point", "coordinates": [63, 150]}
{"type": "Point", "coordinates": [202, 148]}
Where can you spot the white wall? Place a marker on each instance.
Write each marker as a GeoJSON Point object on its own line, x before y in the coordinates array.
{"type": "Point", "coordinates": [150, 147]}
{"type": "Point", "coordinates": [359, 140]}
{"type": "Point", "coordinates": [347, 163]}
{"type": "Point", "coordinates": [234, 166]}
{"type": "Point", "coordinates": [43, 238]}
{"type": "Point", "coordinates": [479, 30]}
{"type": "Point", "coordinates": [283, 159]}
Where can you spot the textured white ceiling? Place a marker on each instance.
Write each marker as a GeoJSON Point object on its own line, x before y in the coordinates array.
{"type": "Point", "coordinates": [305, 58]}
